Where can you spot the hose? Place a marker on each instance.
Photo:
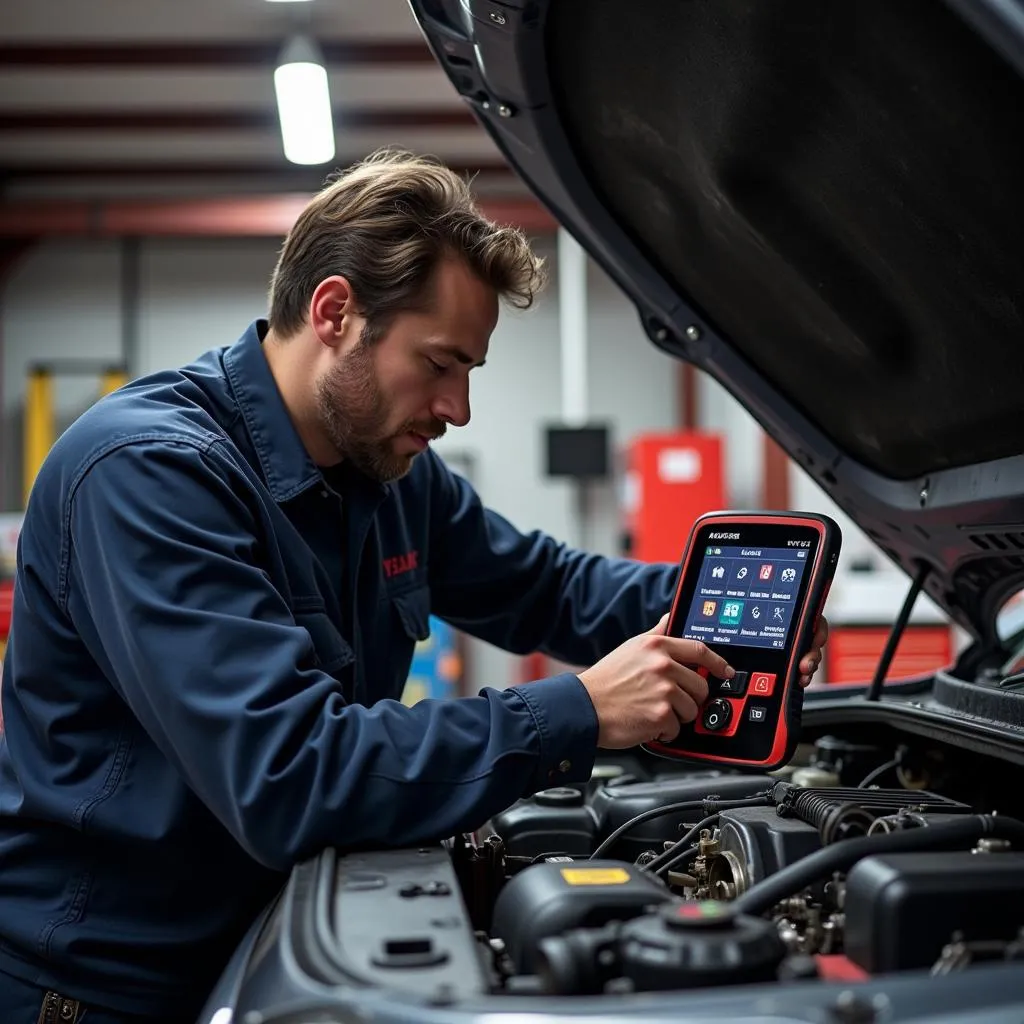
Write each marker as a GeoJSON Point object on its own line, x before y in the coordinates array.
{"type": "Point", "coordinates": [834, 820]}
{"type": "Point", "coordinates": [879, 772]}
{"type": "Point", "coordinates": [709, 805]}
{"type": "Point", "coordinates": [668, 857]}
{"type": "Point", "coordinates": [882, 669]}
{"type": "Point", "coordinates": [678, 856]}
{"type": "Point", "coordinates": [843, 855]}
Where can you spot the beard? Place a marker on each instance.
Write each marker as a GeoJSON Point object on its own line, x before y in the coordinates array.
{"type": "Point", "coordinates": [354, 413]}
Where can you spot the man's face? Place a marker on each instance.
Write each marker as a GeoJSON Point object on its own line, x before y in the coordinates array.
{"type": "Point", "coordinates": [381, 402]}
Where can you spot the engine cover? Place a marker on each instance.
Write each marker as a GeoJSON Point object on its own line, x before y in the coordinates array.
{"type": "Point", "coordinates": [902, 908]}
{"type": "Point", "coordinates": [756, 842]}
{"type": "Point", "coordinates": [574, 820]}
{"type": "Point", "coordinates": [613, 806]}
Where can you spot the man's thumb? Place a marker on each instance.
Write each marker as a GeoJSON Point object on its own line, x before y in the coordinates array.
{"type": "Point", "coordinates": [660, 626]}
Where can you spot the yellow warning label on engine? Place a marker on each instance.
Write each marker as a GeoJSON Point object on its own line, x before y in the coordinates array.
{"type": "Point", "coordinates": [595, 876]}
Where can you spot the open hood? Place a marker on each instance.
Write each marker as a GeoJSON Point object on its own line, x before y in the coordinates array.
{"type": "Point", "coordinates": [819, 204]}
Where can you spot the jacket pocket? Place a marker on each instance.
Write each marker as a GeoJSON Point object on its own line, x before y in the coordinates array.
{"type": "Point", "coordinates": [331, 651]}
{"type": "Point", "coordinates": [413, 607]}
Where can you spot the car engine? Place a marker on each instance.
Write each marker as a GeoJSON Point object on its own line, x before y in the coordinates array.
{"type": "Point", "coordinates": [854, 861]}
{"type": "Point", "coordinates": [840, 887]}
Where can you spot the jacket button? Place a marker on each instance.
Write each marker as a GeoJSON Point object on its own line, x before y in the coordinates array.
{"type": "Point", "coordinates": [564, 766]}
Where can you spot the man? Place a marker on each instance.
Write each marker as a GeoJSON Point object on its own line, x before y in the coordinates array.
{"type": "Point", "coordinates": [222, 574]}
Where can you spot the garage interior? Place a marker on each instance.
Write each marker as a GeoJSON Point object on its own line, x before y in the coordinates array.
{"type": "Point", "coordinates": [255, 826]}
{"type": "Point", "coordinates": [145, 193]}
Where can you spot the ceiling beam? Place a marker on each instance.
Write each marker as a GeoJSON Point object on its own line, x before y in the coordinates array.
{"type": "Point", "coordinates": [250, 216]}
{"type": "Point", "coordinates": [311, 177]}
{"type": "Point", "coordinates": [219, 120]}
{"type": "Point", "coordinates": [218, 55]}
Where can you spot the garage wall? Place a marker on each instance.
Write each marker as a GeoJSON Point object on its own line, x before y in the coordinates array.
{"type": "Point", "coordinates": [61, 301]}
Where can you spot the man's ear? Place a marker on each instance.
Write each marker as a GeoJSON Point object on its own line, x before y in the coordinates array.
{"type": "Point", "coordinates": [332, 311]}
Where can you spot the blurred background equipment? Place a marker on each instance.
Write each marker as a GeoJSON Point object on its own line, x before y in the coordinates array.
{"type": "Point", "coordinates": [40, 428]}
{"type": "Point", "coordinates": [670, 480]}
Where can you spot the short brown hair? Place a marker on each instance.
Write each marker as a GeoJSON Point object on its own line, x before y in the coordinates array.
{"type": "Point", "coordinates": [384, 224]}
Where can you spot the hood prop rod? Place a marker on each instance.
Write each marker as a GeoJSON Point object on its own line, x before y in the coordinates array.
{"type": "Point", "coordinates": [875, 690]}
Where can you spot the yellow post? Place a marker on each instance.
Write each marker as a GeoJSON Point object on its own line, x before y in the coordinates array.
{"type": "Point", "coordinates": [39, 426]}
{"type": "Point", "coordinates": [111, 380]}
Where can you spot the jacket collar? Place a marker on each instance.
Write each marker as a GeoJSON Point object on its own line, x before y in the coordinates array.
{"type": "Point", "coordinates": [287, 467]}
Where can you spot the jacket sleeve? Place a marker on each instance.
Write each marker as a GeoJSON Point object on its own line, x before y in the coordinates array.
{"type": "Point", "coordinates": [167, 590]}
{"type": "Point", "coordinates": [528, 592]}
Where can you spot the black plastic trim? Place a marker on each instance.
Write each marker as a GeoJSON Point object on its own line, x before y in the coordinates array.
{"type": "Point", "coordinates": [921, 718]}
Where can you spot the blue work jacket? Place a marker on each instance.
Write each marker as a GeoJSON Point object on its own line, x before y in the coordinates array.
{"type": "Point", "coordinates": [202, 687]}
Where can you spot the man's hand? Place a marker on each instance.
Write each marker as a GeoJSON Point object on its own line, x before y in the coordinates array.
{"type": "Point", "coordinates": [645, 689]}
{"type": "Point", "coordinates": [812, 659]}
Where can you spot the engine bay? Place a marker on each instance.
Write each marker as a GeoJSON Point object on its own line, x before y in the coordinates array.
{"type": "Point", "coordinates": [854, 861]}
{"type": "Point", "coordinates": [879, 875]}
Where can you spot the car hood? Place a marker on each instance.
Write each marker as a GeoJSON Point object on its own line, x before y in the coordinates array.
{"type": "Point", "coordinates": [822, 206]}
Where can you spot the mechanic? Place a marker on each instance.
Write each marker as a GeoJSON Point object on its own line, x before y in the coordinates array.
{"type": "Point", "coordinates": [222, 575]}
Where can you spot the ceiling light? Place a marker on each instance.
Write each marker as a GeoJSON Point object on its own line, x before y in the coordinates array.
{"type": "Point", "coordinates": [304, 103]}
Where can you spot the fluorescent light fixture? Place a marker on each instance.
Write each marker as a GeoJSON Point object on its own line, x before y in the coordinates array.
{"type": "Point", "coordinates": [304, 103]}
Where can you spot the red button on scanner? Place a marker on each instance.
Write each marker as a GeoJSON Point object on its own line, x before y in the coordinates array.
{"type": "Point", "coordinates": [762, 683]}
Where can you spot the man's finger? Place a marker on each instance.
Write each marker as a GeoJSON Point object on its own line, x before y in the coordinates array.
{"type": "Point", "coordinates": [668, 728]}
{"type": "Point", "coordinates": [685, 705]}
{"type": "Point", "coordinates": [809, 664]}
{"type": "Point", "coordinates": [688, 682]}
{"type": "Point", "coordinates": [693, 652]}
{"type": "Point", "coordinates": [693, 685]}
{"type": "Point", "coordinates": [659, 626]}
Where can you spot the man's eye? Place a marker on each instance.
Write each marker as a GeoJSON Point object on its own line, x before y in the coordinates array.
{"type": "Point", "coordinates": [437, 368]}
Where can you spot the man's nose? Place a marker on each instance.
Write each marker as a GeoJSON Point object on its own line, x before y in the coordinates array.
{"type": "Point", "coordinates": [452, 405]}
